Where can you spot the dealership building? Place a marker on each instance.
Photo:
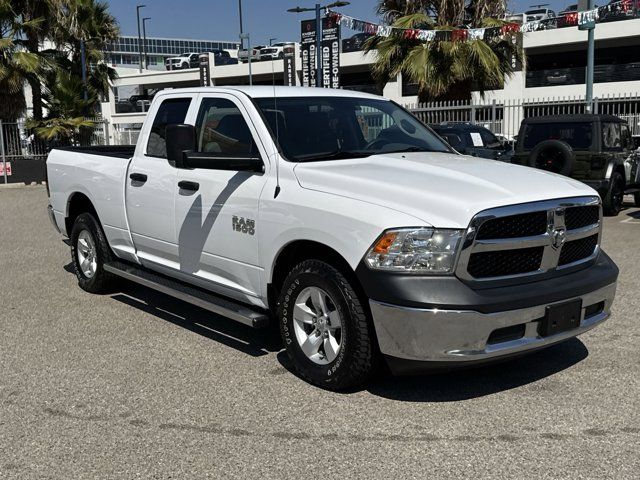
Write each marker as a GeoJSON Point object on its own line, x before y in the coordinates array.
{"type": "Point", "coordinates": [555, 70]}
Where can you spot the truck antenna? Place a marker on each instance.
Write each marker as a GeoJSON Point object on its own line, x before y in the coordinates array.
{"type": "Point", "coordinates": [275, 116]}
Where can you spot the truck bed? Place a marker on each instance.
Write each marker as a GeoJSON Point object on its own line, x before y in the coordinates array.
{"type": "Point", "coordinates": [118, 151]}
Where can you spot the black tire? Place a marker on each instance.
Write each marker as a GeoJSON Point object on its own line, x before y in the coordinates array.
{"type": "Point", "coordinates": [357, 358]}
{"type": "Point", "coordinates": [553, 156]}
{"type": "Point", "coordinates": [281, 55]}
{"type": "Point", "coordinates": [612, 201]}
{"type": "Point", "coordinates": [101, 281]}
{"type": "Point", "coordinates": [636, 199]}
{"type": "Point", "coordinates": [184, 66]}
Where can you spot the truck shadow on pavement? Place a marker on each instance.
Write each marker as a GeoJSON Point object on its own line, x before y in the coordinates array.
{"type": "Point", "coordinates": [197, 320]}
{"type": "Point", "coordinates": [456, 385]}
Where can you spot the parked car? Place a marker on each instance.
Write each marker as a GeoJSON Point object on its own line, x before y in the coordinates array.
{"type": "Point", "coordinates": [273, 52]}
{"type": "Point", "coordinates": [623, 10]}
{"type": "Point", "coordinates": [223, 57]}
{"type": "Point", "coordinates": [355, 43]}
{"type": "Point", "coordinates": [546, 16]}
{"type": "Point", "coordinates": [355, 240]}
{"type": "Point", "coordinates": [590, 148]}
{"type": "Point", "coordinates": [243, 55]}
{"type": "Point", "coordinates": [473, 140]}
{"type": "Point", "coordinates": [186, 60]}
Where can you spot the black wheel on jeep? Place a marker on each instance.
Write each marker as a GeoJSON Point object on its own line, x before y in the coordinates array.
{"type": "Point", "coordinates": [325, 327]}
{"type": "Point", "coordinates": [612, 201]}
{"type": "Point", "coordinates": [89, 252]}
{"type": "Point", "coordinates": [553, 156]}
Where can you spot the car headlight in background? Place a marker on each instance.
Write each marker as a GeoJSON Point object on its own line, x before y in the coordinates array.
{"type": "Point", "coordinates": [415, 250]}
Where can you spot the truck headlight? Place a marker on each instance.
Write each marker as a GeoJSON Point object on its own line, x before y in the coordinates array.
{"type": "Point", "coordinates": [415, 250]}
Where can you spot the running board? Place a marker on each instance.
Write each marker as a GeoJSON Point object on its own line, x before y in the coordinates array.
{"type": "Point", "coordinates": [194, 295]}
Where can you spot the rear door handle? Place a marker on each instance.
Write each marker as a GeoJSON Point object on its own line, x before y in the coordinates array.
{"type": "Point", "coordinates": [138, 177]}
{"type": "Point", "coordinates": [186, 185]}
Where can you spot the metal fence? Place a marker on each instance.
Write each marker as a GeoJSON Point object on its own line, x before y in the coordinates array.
{"type": "Point", "coordinates": [504, 117]}
{"type": "Point", "coordinates": [22, 153]}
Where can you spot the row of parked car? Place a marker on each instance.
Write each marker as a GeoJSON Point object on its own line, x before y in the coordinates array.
{"type": "Point", "coordinates": [569, 16]}
{"type": "Point", "coordinates": [261, 53]}
{"type": "Point", "coordinates": [192, 60]}
{"type": "Point", "coordinates": [597, 149]}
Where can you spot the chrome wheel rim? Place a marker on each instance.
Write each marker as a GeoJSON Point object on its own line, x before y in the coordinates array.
{"type": "Point", "coordinates": [86, 253]}
{"type": "Point", "coordinates": [317, 325]}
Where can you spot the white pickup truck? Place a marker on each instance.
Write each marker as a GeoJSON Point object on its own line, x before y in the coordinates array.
{"type": "Point", "coordinates": [340, 217]}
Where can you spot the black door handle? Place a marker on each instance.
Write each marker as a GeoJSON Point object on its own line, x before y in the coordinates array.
{"type": "Point", "coordinates": [186, 185]}
{"type": "Point", "coordinates": [138, 177]}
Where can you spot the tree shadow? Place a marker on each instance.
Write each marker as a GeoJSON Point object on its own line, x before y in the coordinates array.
{"type": "Point", "coordinates": [198, 320]}
{"type": "Point", "coordinates": [195, 229]}
{"type": "Point", "coordinates": [456, 385]}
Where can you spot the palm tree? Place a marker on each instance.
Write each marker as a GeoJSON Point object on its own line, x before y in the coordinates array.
{"type": "Point", "coordinates": [444, 69]}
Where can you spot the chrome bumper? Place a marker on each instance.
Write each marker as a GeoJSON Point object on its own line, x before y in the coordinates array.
{"type": "Point", "coordinates": [462, 335]}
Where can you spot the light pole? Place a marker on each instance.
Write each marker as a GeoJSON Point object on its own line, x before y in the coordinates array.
{"type": "Point", "coordinates": [589, 25]}
{"type": "Point", "coordinates": [271, 41]}
{"type": "Point", "coordinates": [244, 36]}
{"type": "Point", "coordinates": [317, 9]}
{"type": "Point", "coordinates": [138, 7]}
{"type": "Point", "coordinates": [144, 41]}
{"type": "Point", "coordinates": [240, 14]}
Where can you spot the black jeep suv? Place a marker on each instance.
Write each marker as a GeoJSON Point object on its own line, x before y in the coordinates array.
{"type": "Point", "coordinates": [596, 149]}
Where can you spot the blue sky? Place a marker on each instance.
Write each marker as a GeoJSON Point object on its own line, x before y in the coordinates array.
{"type": "Point", "coordinates": [218, 19]}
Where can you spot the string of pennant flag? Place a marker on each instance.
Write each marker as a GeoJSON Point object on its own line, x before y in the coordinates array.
{"type": "Point", "coordinates": [464, 34]}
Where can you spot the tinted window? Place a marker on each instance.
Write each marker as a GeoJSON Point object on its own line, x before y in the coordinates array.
{"type": "Point", "coordinates": [222, 130]}
{"type": "Point", "coordinates": [310, 128]}
{"type": "Point", "coordinates": [577, 134]}
{"type": "Point", "coordinates": [173, 110]}
{"type": "Point", "coordinates": [611, 136]}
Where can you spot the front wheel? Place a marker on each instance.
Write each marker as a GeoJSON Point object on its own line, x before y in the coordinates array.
{"type": "Point", "coordinates": [89, 252]}
{"type": "Point", "coordinates": [325, 327]}
{"type": "Point", "coordinates": [612, 202]}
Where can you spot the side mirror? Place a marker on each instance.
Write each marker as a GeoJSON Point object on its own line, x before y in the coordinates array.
{"type": "Point", "coordinates": [180, 138]}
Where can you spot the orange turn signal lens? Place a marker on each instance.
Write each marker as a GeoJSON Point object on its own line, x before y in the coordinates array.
{"type": "Point", "coordinates": [385, 242]}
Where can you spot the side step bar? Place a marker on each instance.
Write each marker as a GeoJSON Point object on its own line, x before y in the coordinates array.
{"type": "Point", "coordinates": [190, 294]}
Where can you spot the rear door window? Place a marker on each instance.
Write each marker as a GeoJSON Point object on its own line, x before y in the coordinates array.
{"type": "Point", "coordinates": [579, 135]}
{"type": "Point", "coordinates": [171, 110]}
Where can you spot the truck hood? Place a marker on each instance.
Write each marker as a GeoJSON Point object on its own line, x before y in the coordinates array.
{"type": "Point", "coordinates": [441, 189]}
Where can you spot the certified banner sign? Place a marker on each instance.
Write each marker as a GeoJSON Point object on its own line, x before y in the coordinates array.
{"type": "Point", "coordinates": [330, 53]}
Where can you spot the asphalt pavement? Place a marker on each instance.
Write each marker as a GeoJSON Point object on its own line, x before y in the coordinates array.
{"type": "Point", "coordinates": [138, 385]}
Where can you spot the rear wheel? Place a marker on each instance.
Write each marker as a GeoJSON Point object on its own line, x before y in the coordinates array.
{"type": "Point", "coordinates": [325, 327]}
{"type": "Point", "coordinates": [612, 202]}
{"type": "Point", "coordinates": [89, 252]}
{"type": "Point", "coordinates": [636, 199]}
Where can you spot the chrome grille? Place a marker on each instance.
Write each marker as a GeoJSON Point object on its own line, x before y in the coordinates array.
{"type": "Point", "coordinates": [530, 239]}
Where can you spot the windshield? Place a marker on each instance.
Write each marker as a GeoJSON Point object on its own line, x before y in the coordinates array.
{"type": "Point", "coordinates": [577, 134]}
{"type": "Point", "coordinates": [331, 128]}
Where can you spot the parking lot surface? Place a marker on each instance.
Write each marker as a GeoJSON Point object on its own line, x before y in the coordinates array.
{"type": "Point", "coordinates": [138, 385]}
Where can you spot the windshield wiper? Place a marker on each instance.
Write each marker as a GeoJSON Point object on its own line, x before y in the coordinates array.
{"type": "Point", "coordinates": [336, 155]}
{"type": "Point", "coordinates": [409, 149]}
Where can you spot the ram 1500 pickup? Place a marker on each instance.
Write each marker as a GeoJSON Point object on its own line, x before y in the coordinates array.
{"type": "Point", "coordinates": [343, 219]}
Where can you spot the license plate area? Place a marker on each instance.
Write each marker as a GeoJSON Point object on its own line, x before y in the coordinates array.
{"type": "Point", "coordinates": [561, 317]}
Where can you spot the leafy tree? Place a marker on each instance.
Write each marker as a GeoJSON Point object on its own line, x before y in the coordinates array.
{"type": "Point", "coordinates": [444, 69]}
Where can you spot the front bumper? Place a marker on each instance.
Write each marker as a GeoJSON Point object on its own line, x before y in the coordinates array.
{"type": "Point", "coordinates": [461, 337]}
{"type": "Point", "coordinates": [426, 323]}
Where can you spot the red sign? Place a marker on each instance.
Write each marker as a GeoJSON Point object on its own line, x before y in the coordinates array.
{"type": "Point", "coordinates": [8, 169]}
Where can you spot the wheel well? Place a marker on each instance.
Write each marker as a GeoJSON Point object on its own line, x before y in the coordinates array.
{"type": "Point", "coordinates": [79, 203]}
{"type": "Point", "coordinates": [301, 250]}
{"type": "Point", "coordinates": [620, 170]}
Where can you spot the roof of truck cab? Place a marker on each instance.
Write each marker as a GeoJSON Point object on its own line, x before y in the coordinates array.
{"type": "Point", "coordinates": [267, 91]}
